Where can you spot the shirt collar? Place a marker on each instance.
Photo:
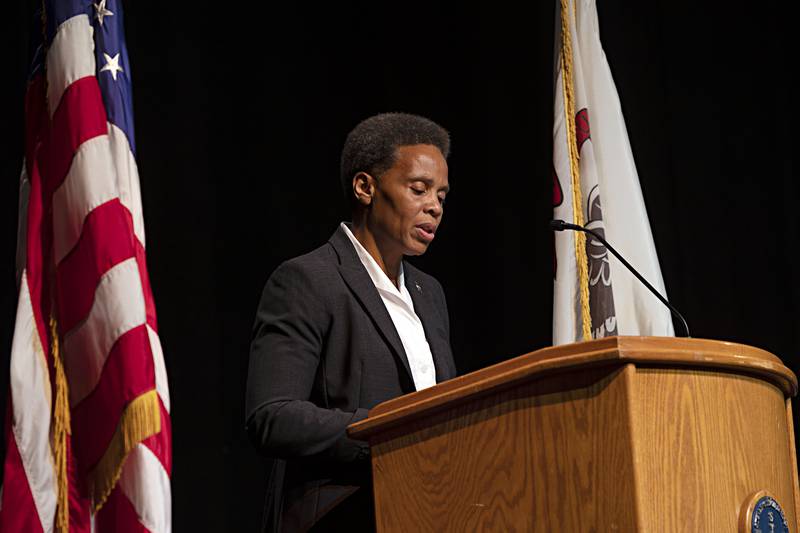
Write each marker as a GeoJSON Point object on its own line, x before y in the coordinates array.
{"type": "Point", "coordinates": [378, 276]}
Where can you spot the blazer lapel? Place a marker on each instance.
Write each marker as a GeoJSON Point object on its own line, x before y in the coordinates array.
{"type": "Point", "coordinates": [360, 283]}
{"type": "Point", "coordinates": [430, 317]}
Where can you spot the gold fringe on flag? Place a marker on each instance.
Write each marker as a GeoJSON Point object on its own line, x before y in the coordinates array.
{"type": "Point", "coordinates": [61, 431]}
{"type": "Point", "coordinates": [574, 158]}
{"type": "Point", "coordinates": [141, 419]}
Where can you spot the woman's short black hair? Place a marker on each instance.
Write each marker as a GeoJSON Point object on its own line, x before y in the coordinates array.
{"type": "Point", "coordinates": [372, 145]}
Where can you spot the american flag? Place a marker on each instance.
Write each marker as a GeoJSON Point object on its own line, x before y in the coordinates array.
{"type": "Point", "coordinates": [87, 429]}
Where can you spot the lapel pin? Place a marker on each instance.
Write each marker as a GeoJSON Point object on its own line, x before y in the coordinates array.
{"type": "Point", "coordinates": [417, 286]}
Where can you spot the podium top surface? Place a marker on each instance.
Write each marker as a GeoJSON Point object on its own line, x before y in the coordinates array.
{"type": "Point", "coordinates": [652, 351]}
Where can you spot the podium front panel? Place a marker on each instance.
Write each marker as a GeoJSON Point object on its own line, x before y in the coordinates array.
{"type": "Point", "coordinates": [552, 455]}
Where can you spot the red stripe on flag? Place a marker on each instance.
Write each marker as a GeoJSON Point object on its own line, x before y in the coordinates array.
{"type": "Point", "coordinates": [36, 251]}
{"type": "Point", "coordinates": [80, 116]}
{"type": "Point", "coordinates": [161, 443]}
{"type": "Point", "coordinates": [118, 515]}
{"type": "Point", "coordinates": [127, 374]}
{"type": "Point", "coordinates": [106, 239]}
{"type": "Point", "coordinates": [79, 504]}
{"type": "Point", "coordinates": [19, 511]}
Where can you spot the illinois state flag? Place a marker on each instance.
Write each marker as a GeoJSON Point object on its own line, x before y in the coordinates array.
{"type": "Point", "coordinates": [87, 427]}
{"type": "Point", "coordinates": [595, 184]}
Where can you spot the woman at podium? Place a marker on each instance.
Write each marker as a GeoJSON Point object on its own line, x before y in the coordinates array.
{"type": "Point", "coordinates": [349, 325]}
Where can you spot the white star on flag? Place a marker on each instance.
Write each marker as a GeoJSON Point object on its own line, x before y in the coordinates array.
{"type": "Point", "coordinates": [112, 65]}
{"type": "Point", "coordinates": [100, 7]}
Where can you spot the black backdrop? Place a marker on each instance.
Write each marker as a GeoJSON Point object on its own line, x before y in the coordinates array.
{"type": "Point", "coordinates": [240, 116]}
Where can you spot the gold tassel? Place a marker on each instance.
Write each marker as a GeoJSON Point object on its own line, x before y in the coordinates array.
{"type": "Point", "coordinates": [61, 430]}
{"type": "Point", "coordinates": [141, 419]}
{"type": "Point", "coordinates": [574, 165]}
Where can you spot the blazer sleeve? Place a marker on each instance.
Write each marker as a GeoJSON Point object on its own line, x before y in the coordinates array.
{"type": "Point", "coordinates": [287, 342]}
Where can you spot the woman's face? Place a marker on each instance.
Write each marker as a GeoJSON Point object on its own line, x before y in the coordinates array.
{"type": "Point", "coordinates": [408, 201]}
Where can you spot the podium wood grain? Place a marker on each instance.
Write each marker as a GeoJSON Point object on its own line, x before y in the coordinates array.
{"type": "Point", "coordinates": [706, 441]}
{"type": "Point", "coordinates": [621, 434]}
{"type": "Point", "coordinates": [492, 458]}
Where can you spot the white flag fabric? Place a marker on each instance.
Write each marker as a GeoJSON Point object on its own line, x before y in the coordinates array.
{"type": "Point", "coordinates": [611, 199]}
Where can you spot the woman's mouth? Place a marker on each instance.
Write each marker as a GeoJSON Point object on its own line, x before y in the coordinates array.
{"type": "Point", "coordinates": [426, 231]}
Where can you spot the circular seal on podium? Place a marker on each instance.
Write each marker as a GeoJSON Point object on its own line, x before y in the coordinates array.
{"type": "Point", "coordinates": [761, 513]}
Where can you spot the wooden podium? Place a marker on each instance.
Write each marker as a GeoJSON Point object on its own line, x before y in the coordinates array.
{"type": "Point", "coordinates": [618, 434]}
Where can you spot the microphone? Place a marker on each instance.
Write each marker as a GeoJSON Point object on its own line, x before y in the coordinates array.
{"type": "Point", "coordinates": [560, 225]}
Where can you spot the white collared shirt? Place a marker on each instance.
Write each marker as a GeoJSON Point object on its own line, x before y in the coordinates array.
{"type": "Point", "coordinates": [401, 310]}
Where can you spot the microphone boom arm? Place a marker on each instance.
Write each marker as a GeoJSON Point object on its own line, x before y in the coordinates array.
{"type": "Point", "coordinates": [560, 225]}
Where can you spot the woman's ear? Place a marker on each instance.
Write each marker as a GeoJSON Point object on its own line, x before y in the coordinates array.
{"type": "Point", "coordinates": [363, 188]}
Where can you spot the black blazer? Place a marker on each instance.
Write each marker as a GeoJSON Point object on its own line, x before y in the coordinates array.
{"type": "Point", "coordinates": [324, 351]}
